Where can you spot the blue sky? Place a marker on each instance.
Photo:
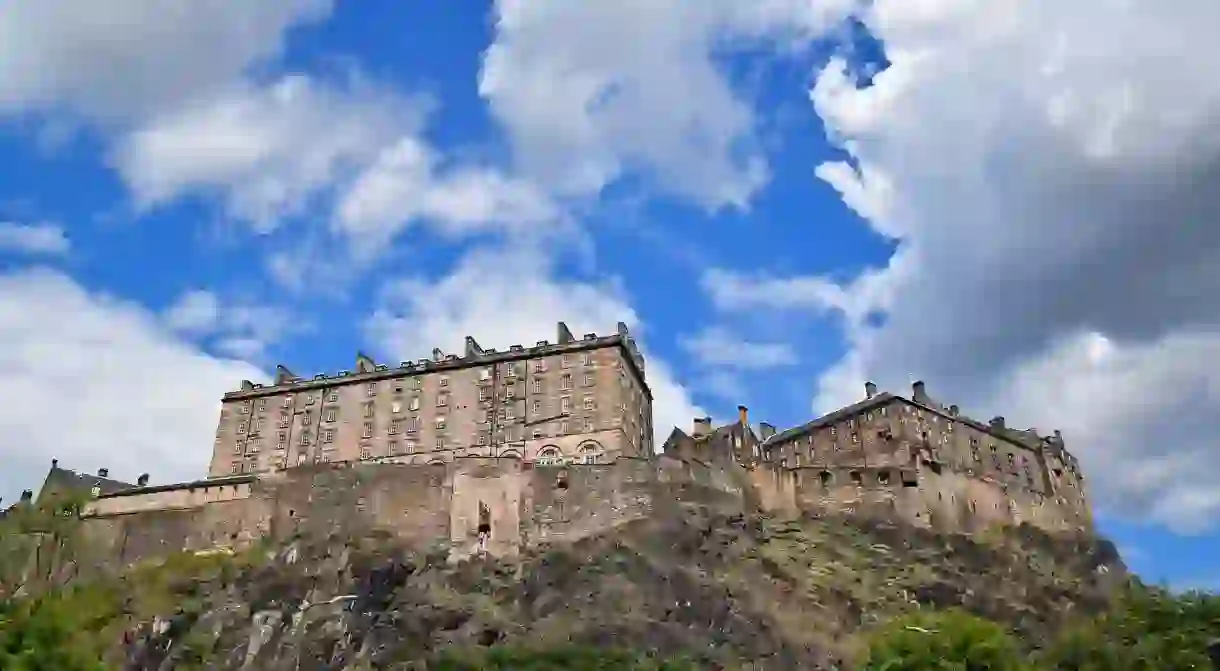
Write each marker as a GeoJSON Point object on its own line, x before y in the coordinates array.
{"type": "Point", "coordinates": [783, 200]}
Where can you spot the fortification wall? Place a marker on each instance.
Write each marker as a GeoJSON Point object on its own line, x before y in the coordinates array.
{"type": "Point", "coordinates": [517, 504]}
{"type": "Point", "coordinates": [933, 497]}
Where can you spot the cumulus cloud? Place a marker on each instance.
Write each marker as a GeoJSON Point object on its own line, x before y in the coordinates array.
{"type": "Point", "coordinates": [238, 328]}
{"type": "Point", "coordinates": [511, 295]}
{"type": "Point", "coordinates": [1049, 169]}
{"type": "Point", "coordinates": [114, 389]}
{"type": "Point", "coordinates": [718, 347]}
{"type": "Point", "coordinates": [407, 183]}
{"type": "Point", "coordinates": [119, 60]}
{"type": "Point", "coordinates": [41, 239]}
{"type": "Point", "coordinates": [588, 91]}
{"type": "Point", "coordinates": [266, 151]}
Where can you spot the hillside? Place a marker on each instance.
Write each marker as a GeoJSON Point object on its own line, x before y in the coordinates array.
{"type": "Point", "coordinates": [723, 590]}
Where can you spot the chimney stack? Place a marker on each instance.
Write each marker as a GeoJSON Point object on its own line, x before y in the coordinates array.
{"type": "Point", "coordinates": [143, 480]}
{"type": "Point", "coordinates": [870, 389]}
{"type": "Point", "coordinates": [743, 415]}
{"type": "Point", "coordinates": [766, 430]}
{"type": "Point", "coordinates": [953, 410]}
{"type": "Point", "coordinates": [997, 422]}
{"type": "Point", "coordinates": [27, 495]}
{"type": "Point", "coordinates": [54, 463]}
{"type": "Point", "coordinates": [703, 427]}
{"type": "Point", "coordinates": [919, 392]}
{"type": "Point", "coordinates": [103, 472]}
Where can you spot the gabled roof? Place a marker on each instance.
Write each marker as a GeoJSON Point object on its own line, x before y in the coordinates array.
{"type": "Point", "coordinates": [63, 479]}
{"type": "Point", "coordinates": [833, 417]}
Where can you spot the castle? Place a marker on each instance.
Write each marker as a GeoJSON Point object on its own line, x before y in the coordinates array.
{"type": "Point", "coordinates": [501, 451]}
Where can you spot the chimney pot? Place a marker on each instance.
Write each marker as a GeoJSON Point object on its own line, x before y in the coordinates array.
{"type": "Point", "coordinates": [997, 422]}
{"type": "Point", "coordinates": [143, 480]}
{"type": "Point", "coordinates": [27, 495]}
{"type": "Point", "coordinates": [870, 389]}
{"type": "Point", "coordinates": [953, 410]}
{"type": "Point", "coordinates": [743, 415]}
{"type": "Point", "coordinates": [919, 392]}
{"type": "Point", "coordinates": [103, 472]}
{"type": "Point", "coordinates": [54, 463]}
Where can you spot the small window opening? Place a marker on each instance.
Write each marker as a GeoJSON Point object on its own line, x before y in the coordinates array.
{"type": "Point", "coordinates": [856, 478]}
{"type": "Point", "coordinates": [826, 477]}
{"type": "Point", "coordinates": [561, 481]}
{"type": "Point", "coordinates": [484, 519]}
{"type": "Point", "coordinates": [883, 478]}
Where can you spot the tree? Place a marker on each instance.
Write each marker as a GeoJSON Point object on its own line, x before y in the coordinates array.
{"type": "Point", "coordinates": [950, 640]}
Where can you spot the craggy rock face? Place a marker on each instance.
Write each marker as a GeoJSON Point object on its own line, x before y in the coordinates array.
{"type": "Point", "coordinates": [729, 590]}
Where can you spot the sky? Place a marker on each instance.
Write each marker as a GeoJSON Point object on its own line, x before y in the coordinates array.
{"type": "Point", "coordinates": [1013, 200]}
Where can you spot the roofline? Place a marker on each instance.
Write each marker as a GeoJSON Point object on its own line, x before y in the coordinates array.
{"type": "Point", "coordinates": [885, 397]}
{"type": "Point", "coordinates": [410, 368]}
{"type": "Point", "coordinates": [211, 482]}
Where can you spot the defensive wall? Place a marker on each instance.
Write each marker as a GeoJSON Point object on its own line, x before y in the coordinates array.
{"type": "Point", "coordinates": [499, 505]}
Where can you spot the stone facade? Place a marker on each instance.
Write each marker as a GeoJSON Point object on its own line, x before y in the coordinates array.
{"type": "Point", "coordinates": [575, 400]}
{"type": "Point", "coordinates": [911, 458]}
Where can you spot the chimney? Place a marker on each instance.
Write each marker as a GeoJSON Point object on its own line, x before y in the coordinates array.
{"type": "Point", "coordinates": [143, 480]}
{"type": "Point", "coordinates": [27, 495]}
{"type": "Point", "coordinates": [703, 427]}
{"type": "Point", "coordinates": [472, 347]}
{"type": "Point", "coordinates": [919, 392]}
{"type": "Point", "coordinates": [565, 334]}
{"type": "Point", "coordinates": [953, 410]}
{"type": "Point", "coordinates": [743, 415]}
{"type": "Point", "coordinates": [283, 375]}
{"type": "Point", "coordinates": [997, 422]}
{"type": "Point", "coordinates": [870, 389]}
{"type": "Point", "coordinates": [766, 430]}
{"type": "Point", "coordinates": [54, 463]}
{"type": "Point", "coordinates": [437, 354]}
{"type": "Point", "coordinates": [103, 472]}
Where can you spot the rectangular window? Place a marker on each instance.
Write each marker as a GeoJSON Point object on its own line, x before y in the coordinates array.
{"type": "Point", "coordinates": [304, 437]}
{"type": "Point", "coordinates": [440, 442]}
{"type": "Point", "coordinates": [586, 359]}
{"type": "Point", "coordinates": [510, 391]}
{"type": "Point", "coordinates": [287, 402]}
{"type": "Point", "coordinates": [413, 424]}
{"type": "Point", "coordinates": [397, 386]}
{"type": "Point", "coordinates": [396, 407]}
{"type": "Point", "coordinates": [537, 385]}
{"type": "Point", "coordinates": [510, 370]}
{"type": "Point", "coordinates": [368, 409]}
{"type": "Point", "coordinates": [394, 427]}
{"type": "Point", "coordinates": [442, 400]}
{"type": "Point", "coordinates": [537, 407]}
{"type": "Point", "coordinates": [414, 403]}
{"type": "Point", "coordinates": [368, 430]}
{"type": "Point", "coordinates": [245, 407]}
{"type": "Point", "coordinates": [485, 374]}
{"type": "Point", "coordinates": [283, 421]}
{"type": "Point", "coordinates": [440, 423]}
{"type": "Point", "coordinates": [567, 361]}
{"type": "Point", "coordinates": [366, 452]}
{"type": "Point", "coordinates": [242, 426]}
{"type": "Point", "coordinates": [417, 383]}
{"type": "Point", "coordinates": [443, 381]}
{"type": "Point", "coordinates": [392, 448]}
{"type": "Point", "coordinates": [482, 393]}
{"type": "Point", "coordinates": [328, 436]}
{"type": "Point", "coordinates": [589, 403]}
{"type": "Point", "coordinates": [540, 364]}
{"type": "Point", "coordinates": [588, 426]}
{"type": "Point", "coordinates": [537, 433]}
{"type": "Point", "coordinates": [409, 446]}
{"type": "Point", "coordinates": [564, 427]}
{"type": "Point", "coordinates": [565, 382]}
{"type": "Point", "coordinates": [308, 399]}
{"type": "Point", "coordinates": [372, 389]}
{"type": "Point", "coordinates": [481, 439]}
{"type": "Point", "coordinates": [332, 414]}
{"type": "Point", "coordinates": [588, 379]}
{"type": "Point", "coordinates": [565, 404]}
{"type": "Point", "coordinates": [334, 397]}
{"type": "Point", "coordinates": [510, 412]}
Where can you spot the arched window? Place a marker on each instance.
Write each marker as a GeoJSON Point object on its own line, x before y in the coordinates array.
{"type": "Point", "coordinates": [589, 453]}
{"type": "Point", "coordinates": [510, 454]}
{"type": "Point", "coordinates": [826, 477]}
{"type": "Point", "coordinates": [549, 456]}
{"type": "Point", "coordinates": [856, 478]}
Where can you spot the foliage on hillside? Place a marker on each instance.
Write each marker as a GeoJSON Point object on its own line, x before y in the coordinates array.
{"type": "Point", "coordinates": [709, 590]}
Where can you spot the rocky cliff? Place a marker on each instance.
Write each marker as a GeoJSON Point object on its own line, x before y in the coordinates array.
{"type": "Point", "coordinates": [722, 590]}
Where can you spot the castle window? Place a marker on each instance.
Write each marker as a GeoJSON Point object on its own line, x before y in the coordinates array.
{"type": "Point", "coordinates": [334, 397]}
{"type": "Point", "coordinates": [245, 407]}
{"type": "Point", "coordinates": [372, 389]}
{"type": "Point", "coordinates": [565, 382]}
{"type": "Point", "coordinates": [826, 477]}
{"type": "Point", "coordinates": [308, 399]}
{"type": "Point", "coordinates": [395, 426]}
{"type": "Point", "coordinates": [588, 379]}
{"type": "Point", "coordinates": [855, 437]}
{"type": "Point", "coordinates": [414, 404]}
{"type": "Point", "coordinates": [368, 430]}
{"type": "Point", "coordinates": [443, 381]}
{"type": "Point", "coordinates": [856, 478]}
{"type": "Point", "coordinates": [883, 478]}
{"type": "Point", "coordinates": [537, 405]}
{"type": "Point", "coordinates": [567, 361]}
{"type": "Point", "coordinates": [305, 437]}
{"type": "Point", "coordinates": [537, 385]}
{"type": "Point", "coordinates": [440, 442]}
{"type": "Point", "coordinates": [482, 393]}
{"type": "Point", "coordinates": [440, 423]}
{"type": "Point", "coordinates": [834, 431]}
{"type": "Point", "coordinates": [328, 436]}
{"type": "Point", "coordinates": [485, 374]}
{"type": "Point", "coordinates": [588, 426]}
{"type": "Point", "coordinates": [589, 403]}
{"type": "Point", "coordinates": [442, 400]}
{"type": "Point", "coordinates": [510, 412]}
{"type": "Point", "coordinates": [565, 404]}
{"type": "Point", "coordinates": [331, 414]}
{"type": "Point", "coordinates": [241, 428]}
{"type": "Point", "coordinates": [540, 365]}
{"type": "Point", "coordinates": [287, 402]}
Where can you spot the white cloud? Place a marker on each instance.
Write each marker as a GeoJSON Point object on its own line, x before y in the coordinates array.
{"type": "Point", "coordinates": [238, 328]}
{"type": "Point", "coordinates": [37, 239]}
{"type": "Point", "coordinates": [267, 152]}
{"type": "Point", "coordinates": [716, 346]}
{"type": "Point", "coordinates": [588, 91]}
{"type": "Point", "coordinates": [121, 59]}
{"type": "Point", "coordinates": [1050, 171]}
{"type": "Point", "coordinates": [510, 295]}
{"type": "Point", "coordinates": [407, 183]}
{"type": "Point", "coordinates": [98, 382]}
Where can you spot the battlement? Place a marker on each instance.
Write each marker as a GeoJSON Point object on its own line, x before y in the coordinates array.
{"type": "Point", "coordinates": [368, 370]}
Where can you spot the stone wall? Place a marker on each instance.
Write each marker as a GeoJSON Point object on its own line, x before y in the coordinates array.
{"type": "Point", "coordinates": [516, 504]}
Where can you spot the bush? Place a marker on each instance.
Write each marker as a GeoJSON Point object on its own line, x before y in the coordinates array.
{"type": "Point", "coordinates": [949, 640]}
{"type": "Point", "coordinates": [60, 631]}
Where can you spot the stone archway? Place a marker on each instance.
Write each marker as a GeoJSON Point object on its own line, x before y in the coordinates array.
{"type": "Point", "coordinates": [510, 454]}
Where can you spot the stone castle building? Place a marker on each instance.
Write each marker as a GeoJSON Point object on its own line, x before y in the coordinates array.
{"type": "Point", "coordinates": [503, 451]}
{"type": "Point", "coordinates": [575, 399]}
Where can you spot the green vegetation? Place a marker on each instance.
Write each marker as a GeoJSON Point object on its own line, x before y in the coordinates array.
{"type": "Point", "coordinates": [1149, 629]}
{"type": "Point", "coordinates": [555, 659]}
